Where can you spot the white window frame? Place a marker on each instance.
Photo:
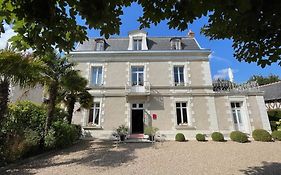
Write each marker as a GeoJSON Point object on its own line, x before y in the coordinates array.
{"type": "Point", "coordinates": [100, 45]}
{"type": "Point", "coordinates": [138, 72]}
{"type": "Point", "coordinates": [244, 112]}
{"type": "Point", "coordinates": [176, 44]}
{"type": "Point", "coordinates": [139, 43]}
{"type": "Point", "coordinates": [94, 107]}
{"type": "Point", "coordinates": [96, 78]}
{"type": "Point", "coordinates": [174, 79]}
{"type": "Point", "coordinates": [181, 109]}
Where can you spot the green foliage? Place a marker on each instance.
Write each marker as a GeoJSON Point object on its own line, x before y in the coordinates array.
{"type": "Point", "coordinates": [238, 136]}
{"type": "Point", "coordinates": [151, 131]}
{"type": "Point", "coordinates": [63, 133]}
{"type": "Point", "coordinates": [180, 137]}
{"type": "Point", "coordinates": [274, 114]}
{"type": "Point", "coordinates": [261, 135]}
{"type": "Point", "coordinates": [217, 136]}
{"type": "Point", "coordinates": [261, 80]}
{"type": "Point", "coordinates": [122, 130]}
{"type": "Point", "coordinates": [252, 26]}
{"type": "Point", "coordinates": [276, 135]}
{"type": "Point", "coordinates": [200, 137]}
{"type": "Point", "coordinates": [278, 125]}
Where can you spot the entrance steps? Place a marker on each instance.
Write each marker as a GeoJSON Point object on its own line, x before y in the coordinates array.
{"type": "Point", "coordinates": [137, 138]}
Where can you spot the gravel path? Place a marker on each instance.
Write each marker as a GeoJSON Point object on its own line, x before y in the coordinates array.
{"type": "Point", "coordinates": [179, 158]}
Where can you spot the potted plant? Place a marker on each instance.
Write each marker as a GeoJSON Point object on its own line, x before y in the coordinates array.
{"type": "Point", "coordinates": [122, 131]}
{"type": "Point", "coordinates": [150, 131]}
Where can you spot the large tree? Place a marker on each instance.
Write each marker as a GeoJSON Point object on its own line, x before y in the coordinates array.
{"type": "Point", "coordinates": [263, 80]}
{"type": "Point", "coordinates": [17, 69]}
{"type": "Point", "coordinates": [74, 89]}
{"type": "Point", "coordinates": [253, 25]}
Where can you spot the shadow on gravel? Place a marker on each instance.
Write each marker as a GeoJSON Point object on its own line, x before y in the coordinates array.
{"type": "Point", "coordinates": [89, 153]}
{"type": "Point", "coordinates": [268, 168]}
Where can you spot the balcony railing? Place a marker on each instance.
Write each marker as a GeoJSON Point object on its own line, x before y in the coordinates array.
{"type": "Point", "coordinates": [132, 89]}
{"type": "Point", "coordinates": [227, 86]}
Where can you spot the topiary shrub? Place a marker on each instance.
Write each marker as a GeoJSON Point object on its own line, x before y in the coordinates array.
{"type": "Point", "coordinates": [200, 137]}
{"type": "Point", "coordinates": [238, 136]}
{"type": "Point", "coordinates": [180, 137]}
{"type": "Point", "coordinates": [217, 137]}
{"type": "Point", "coordinates": [276, 135]}
{"type": "Point", "coordinates": [261, 135]}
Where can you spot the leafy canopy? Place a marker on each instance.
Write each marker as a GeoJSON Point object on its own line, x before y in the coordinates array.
{"type": "Point", "coordinates": [253, 25]}
{"type": "Point", "coordinates": [263, 80]}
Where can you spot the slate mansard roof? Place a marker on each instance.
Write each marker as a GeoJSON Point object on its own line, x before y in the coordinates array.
{"type": "Point", "coordinates": [272, 91]}
{"type": "Point", "coordinates": [153, 43]}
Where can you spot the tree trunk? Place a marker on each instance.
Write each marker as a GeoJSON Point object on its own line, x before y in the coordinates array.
{"type": "Point", "coordinates": [70, 107]}
{"type": "Point", "coordinates": [53, 91]}
{"type": "Point", "coordinates": [4, 98]}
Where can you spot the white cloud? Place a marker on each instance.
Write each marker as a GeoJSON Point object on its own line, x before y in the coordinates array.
{"type": "Point", "coordinates": [212, 56]}
{"type": "Point", "coordinates": [9, 32]}
{"type": "Point", "coordinates": [223, 74]}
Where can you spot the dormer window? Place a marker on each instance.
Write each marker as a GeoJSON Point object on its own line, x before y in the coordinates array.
{"type": "Point", "coordinates": [137, 44]}
{"type": "Point", "coordinates": [99, 45]}
{"type": "Point", "coordinates": [176, 44]}
{"type": "Point", "coordinates": [137, 40]}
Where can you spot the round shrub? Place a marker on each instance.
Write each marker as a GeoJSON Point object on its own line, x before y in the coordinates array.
{"type": "Point", "coordinates": [180, 137]}
{"type": "Point", "coordinates": [276, 135]}
{"type": "Point", "coordinates": [200, 137]}
{"type": "Point", "coordinates": [261, 135]}
{"type": "Point", "coordinates": [238, 136]}
{"type": "Point", "coordinates": [217, 136]}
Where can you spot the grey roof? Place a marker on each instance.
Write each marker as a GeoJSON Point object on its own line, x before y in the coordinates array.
{"type": "Point", "coordinates": [272, 91]}
{"type": "Point", "coordinates": [153, 43]}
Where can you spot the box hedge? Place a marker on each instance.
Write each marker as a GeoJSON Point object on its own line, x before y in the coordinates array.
{"type": "Point", "coordinates": [261, 135]}
{"type": "Point", "coordinates": [276, 135]}
{"type": "Point", "coordinates": [180, 137]}
{"type": "Point", "coordinates": [238, 136]}
{"type": "Point", "coordinates": [217, 137]}
{"type": "Point", "coordinates": [200, 137]}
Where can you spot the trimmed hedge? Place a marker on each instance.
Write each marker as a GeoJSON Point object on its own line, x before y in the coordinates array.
{"type": "Point", "coordinates": [217, 137]}
{"type": "Point", "coordinates": [238, 136]}
{"type": "Point", "coordinates": [180, 137]}
{"type": "Point", "coordinates": [276, 135]}
{"type": "Point", "coordinates": [261, 135]}
{"type": "Point", "coordinates": [200, 137]}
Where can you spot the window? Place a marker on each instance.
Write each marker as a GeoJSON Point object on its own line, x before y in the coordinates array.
{"type": "Point", "coordinates": [137, 44]}
{"type": "Point", "coordinates": [181, 109]}
{"type": "Point", "coordinates": [100, 45]}
{"type": "Point", "coordinates": [236, 112]}
{"type": "Point", "coordinates": [94, 114]}
{"type": "Point", "coordinates": [176, 44]}
{"type": "Point", "coordinates": [179, 75]}
{"type": "Point", "coordinates": [96, 76]}
{"type": "Point", "coordinates": [137, 75]}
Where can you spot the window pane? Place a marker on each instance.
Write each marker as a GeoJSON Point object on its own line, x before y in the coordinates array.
{"type": "Point", "coordinates": [238, 105]}
{"type": "Point", "coordinates": [181, 78]}
{"type": "Point", "coordinates": [134, 69]}
{"type": "Point", "coordinates": [183, 104]}
{"type": "Point", "coordinates": [91, 113]}
{"type": "Point", "coordinates": [140, 105]}
{"type": "Point", "coordinates": [234, 116]}
{"type": "Point", "coordinates": [96, 75]}
{"type": "Point", "coordinates": [134, 105]}
{"type": "Point", "coordinates": [134, 79]}
{"type": "Point", "coordinates": [184, 113]}
{"type": "Point", "coordinates": [140, 79]}
{"type": "Point", "coordinates": [140, 69]}
{"type": "Point", "coordinates": [239, 116]}
{"type": "Point", "coordinates": [97, 112]}
{"type": "Point", "coordinates": [97, 105]}
{"type": "Point", "coordinates": [181, 69]}
{"type": "Point", "coordinates": [232, 105]}
{"type": "Point", "coordinates": [177, 104]}
{"type": "Point", "coordinates": [179, 116]}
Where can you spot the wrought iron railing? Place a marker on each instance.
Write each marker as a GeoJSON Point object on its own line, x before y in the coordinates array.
{"type": "Point", "coordinates": [131, 88]}
{"type": "Point", "coordinates": [227, 86]}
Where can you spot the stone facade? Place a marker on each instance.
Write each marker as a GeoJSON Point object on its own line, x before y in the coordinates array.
{"type": "Point", "coordinates": [157, 94]}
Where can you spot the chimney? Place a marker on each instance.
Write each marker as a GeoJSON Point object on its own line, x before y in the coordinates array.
{"type": "Point", "coordinates": [190, 34]}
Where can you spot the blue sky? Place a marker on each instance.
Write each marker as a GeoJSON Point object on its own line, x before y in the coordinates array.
{"type": "Point", "coordinates": [221, 58]}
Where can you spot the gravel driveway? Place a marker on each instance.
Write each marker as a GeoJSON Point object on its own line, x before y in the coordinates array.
{"type": "Point", "coordinates": [179, 158]}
